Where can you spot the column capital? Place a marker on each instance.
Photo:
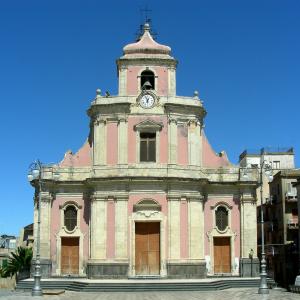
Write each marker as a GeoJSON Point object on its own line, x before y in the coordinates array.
{"type": "Point", "coordinates": [99, 119]}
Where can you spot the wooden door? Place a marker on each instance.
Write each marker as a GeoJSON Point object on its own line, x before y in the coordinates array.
{"type": "Point", "coordinates": [147, 245]}
{"type": "Point", "coordinates": [222, 256]}
{"type": "Point", "coordinates": [69, 255]}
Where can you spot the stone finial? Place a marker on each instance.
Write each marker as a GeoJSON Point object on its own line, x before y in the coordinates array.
{"type": "Point", "coordinates": [146, 27]}
{"type": "Point", "coordinates": [98, 93]}
{"type": "Point", "coordinates": [196, 94]}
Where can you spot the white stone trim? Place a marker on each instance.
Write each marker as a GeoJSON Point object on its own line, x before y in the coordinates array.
{"type": "Point", "coordinates": [215, 232]}
{"type": "Point", "coordinates": [63, 232]}
{"type": "Point", "coordinates": [147, 216]}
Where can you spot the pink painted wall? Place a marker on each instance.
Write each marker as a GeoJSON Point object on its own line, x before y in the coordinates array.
{"type": "Point", "coordinates": [210, 158]}
{"type": "Point", "coordinates": [110, 250]}
{"type": "Point", "coordinates": [183, 229]}
{"type": "Point", "coordinates": [56, 225]}
{"type": "Point", "coordinates": [112, 143]}
{"type": "Point", "coordinates": [182, 148]}
{"type": "Point", "coordinates": [82, 158]}
{"type": "Point", "coordinates": [159, 198]}
{"type": "Point", "coordinates": [161, 81]}
{"type": "Point", "coordinates": [134, 120]}
{"type": "Point", "coordinates": [235, 222]}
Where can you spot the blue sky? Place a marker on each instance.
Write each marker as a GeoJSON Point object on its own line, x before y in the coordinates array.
{"type": "Point", "coordinates": [242, 57]}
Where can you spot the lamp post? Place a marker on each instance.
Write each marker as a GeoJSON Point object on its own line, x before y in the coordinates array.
{"type": "Point", "coordinates": [263, 287]}
{"type": "Point", "coordinates": [36, 173]}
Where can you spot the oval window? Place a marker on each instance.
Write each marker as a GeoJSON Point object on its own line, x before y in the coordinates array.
{"type": "Point", "coordinates": [221, 218]}
{"type": "Point", "coordinates": [70, 218]}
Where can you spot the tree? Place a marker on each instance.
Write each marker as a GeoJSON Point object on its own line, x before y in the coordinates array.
{"type": "Point", "coordinates": [18, 262]}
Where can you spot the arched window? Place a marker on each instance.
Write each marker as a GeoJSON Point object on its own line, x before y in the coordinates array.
{"type": "Point", "coordinates": [147, 80]}
{"type": "Point", "coordinates": [70, 217]}
{"type": "Point", "coordinates": [221, 218]}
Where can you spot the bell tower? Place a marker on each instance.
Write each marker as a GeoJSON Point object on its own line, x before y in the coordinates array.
{"type": "Point", "coordinates": [147, 65]}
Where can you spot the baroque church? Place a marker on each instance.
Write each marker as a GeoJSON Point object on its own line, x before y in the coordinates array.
{"type": "Point", "coordinates": [146, 195]}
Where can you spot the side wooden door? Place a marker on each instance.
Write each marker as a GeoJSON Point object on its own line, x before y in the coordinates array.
{"type": "Point", "coordinates": [69, 256]}
{"type": "Point", "coordinates": [222, 256]}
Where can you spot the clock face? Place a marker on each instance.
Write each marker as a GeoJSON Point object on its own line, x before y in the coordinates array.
{"type": "Point", "coordinates": [147, 101]}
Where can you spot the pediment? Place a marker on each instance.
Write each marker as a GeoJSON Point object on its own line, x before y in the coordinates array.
{"type": "Point", "coordinates": [148, 125]}
{"type": "Point", "coordinates": [147, 205]}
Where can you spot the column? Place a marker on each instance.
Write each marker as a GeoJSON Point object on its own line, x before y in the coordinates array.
{"type": "Point", "coordinates": [98, 228]}
{"type": "Point", "coordinates": [194, 143]}
{"type": "Point", "coordinates": [196, 228]}
{"type": "Point", "coordinates": [122, 141]}
{"type": "Point", "coordinates": [172, 141]}
{"type": "Point", "coordinates": [99, 145]}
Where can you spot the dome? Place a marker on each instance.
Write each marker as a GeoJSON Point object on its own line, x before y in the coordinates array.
{"type": "Point", "coordinates": [146, 46]}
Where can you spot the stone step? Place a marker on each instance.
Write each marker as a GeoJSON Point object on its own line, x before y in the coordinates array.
{"type": "Point", "coordinates": [139, 285]}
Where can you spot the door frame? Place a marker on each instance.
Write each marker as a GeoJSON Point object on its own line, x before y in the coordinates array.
{"type": "Point", "coordinates": [70, 237]}
{"type": "Point", "coordinates": [147, 216]}
{"type": "Point", "coordinates": [148, 254]}
{"type": "Point", "coordinates": [234, 262]}
{"type": "Point", "coordinates": [213, 241]}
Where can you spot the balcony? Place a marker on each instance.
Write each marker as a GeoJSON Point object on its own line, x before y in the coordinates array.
{"type": "Point", "coordinates": [291, 196]}
{"type": "Point", "coordinates": [292, 223]}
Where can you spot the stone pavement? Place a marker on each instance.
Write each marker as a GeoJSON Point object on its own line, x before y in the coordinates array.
{"type": "Point", "coordinates": [244, 294]}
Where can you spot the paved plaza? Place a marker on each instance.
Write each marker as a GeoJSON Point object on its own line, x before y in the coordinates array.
{"type": "Point", "coordinates": [245, 294]}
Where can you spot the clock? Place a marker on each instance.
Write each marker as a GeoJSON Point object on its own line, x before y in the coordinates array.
{"type": "Point", "coordinates": [147, 100]}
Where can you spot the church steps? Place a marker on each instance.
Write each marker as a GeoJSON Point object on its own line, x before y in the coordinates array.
{"type": "Point", "coordinates": [135, 286]}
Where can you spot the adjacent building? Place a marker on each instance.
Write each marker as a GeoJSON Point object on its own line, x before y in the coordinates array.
{"type": "Point", "coordinates": [282, 228]}
{"type": "Point", "coordinates": [146, 195]}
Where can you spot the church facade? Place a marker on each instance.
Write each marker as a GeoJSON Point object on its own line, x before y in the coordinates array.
{"type": "Point", "coordinates": [146, 195]}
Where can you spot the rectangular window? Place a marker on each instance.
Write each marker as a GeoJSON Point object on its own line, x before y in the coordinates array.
{"type": "Point", "coordinates": [147, 147]}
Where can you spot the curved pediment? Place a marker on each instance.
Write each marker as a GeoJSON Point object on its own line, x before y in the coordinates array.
{"type": "Point", "coordinates": [147, 204]}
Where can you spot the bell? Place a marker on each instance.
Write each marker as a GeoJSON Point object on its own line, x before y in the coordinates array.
{"type": "Point", "coordinates": [147, 85]}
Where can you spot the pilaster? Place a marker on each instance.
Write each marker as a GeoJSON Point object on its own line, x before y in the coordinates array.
{"type": "Point", "coordinates": [121, 230]}
{"type": "Point", "coordinates": [172, 81]}
{"type": "Point", "coordinates": [122, 80]}
{"type": "Point", "coordinates": [172, 140]}
{"type": "Point", "coordinates": [46, 199]}
{"type": "Point", "coordinates": [196, 228]}
{"type": "Point", "coordinates": [194, 143]}
{"type": "Point", "coordinates": [123, 141]}
{"type": "Point", "coordinates": [174, 228]}
{"type": "Point", "coordinates": [99, 145]}
{"type": "Point", "coordinates": [248, 225]}
{"type": "Point", "coordinates": [98, 227]}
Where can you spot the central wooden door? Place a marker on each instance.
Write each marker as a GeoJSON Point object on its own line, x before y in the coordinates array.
{"type": "Point", "coordinates": [147, 245]}
{"type": "Point", "coordinates": [222, 256]}
{"type": "Point", "coordinates": [69, 256]}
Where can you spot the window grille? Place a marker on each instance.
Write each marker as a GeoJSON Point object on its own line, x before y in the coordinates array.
{"type": "Point", "coordinates": [70, 218]}
{"type": "Point", "coordinates": [221, 218]}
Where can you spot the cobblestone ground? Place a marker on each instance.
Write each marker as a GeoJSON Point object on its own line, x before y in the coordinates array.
{"type": "Point", "coordinates": [229, 294]}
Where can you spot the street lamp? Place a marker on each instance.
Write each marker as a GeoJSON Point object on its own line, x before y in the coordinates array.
{"type": "Point", "coordinates": [36, 173]}
{"type": "Point", "coordinates": [265, 168]}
